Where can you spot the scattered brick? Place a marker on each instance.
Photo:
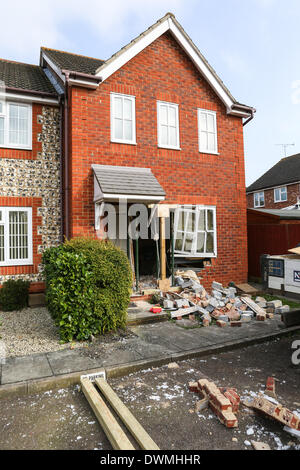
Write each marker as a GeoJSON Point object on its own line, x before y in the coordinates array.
{"type": "Point", "coordinates": [235, 323]}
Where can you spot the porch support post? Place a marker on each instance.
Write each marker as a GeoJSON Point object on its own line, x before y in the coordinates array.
{"type": "Point", "coordinates": [163, 265]}
{"type": "Point", "coordinates": [137, 274]}
{"type": "Point", "coordinates": [172, 246]}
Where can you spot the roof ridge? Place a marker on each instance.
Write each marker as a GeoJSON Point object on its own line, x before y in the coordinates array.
{"type": "Point", "coordinates": [18, 62]}
{"type": "Point", "coordinates": [70, 53]}
{"type": "Point", "coordinates": [290, 156]}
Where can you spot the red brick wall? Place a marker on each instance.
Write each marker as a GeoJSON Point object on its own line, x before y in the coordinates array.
{"type": "Point", "coordinates": [163, 72]}
{"type": "Point", "coordinates": [293, 190]}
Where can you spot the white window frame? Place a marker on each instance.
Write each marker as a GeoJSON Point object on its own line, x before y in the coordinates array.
{"type": "Point", "coordinates": [195, 209]}
{"type": "Point", "coordinates": [214, 115]}
{"type": "Point", "coordinates": [258, 193]}
{"type": "Point", "coordinates": [112, 123]}
{"type": "Point", "coordinates": [5, 114]}
{"type": "Point", "coordinates": [176, 107]}
{"type": "Point", "coordinates": [5, 222]}
{"type": "Point", "coordinates": [280, 188]}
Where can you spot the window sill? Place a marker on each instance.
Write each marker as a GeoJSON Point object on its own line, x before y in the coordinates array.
{"type": "Point", "coordinates": [280, 201]}
{"type": "Point", "coordinates": [19, 263]}
{"type": "Point", "coordinates": [209, 153]}
{"type": "Point", "coordinates": [125, 142]}
{"type": "Point", "coordinates": [199, 256]}
{"type": "Point", "coordinates": [258, 207]}
{"type": "Point", "coordinates": [13, 147]}
{"type": "Point", "coordinates": [168, 148]}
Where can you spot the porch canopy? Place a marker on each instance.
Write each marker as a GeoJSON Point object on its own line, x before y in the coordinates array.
{"type": "Point", "coordinates": [114, 183]}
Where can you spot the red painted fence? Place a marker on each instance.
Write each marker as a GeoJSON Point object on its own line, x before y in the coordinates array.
{"type": "Point", "coordinates": [271, 239]}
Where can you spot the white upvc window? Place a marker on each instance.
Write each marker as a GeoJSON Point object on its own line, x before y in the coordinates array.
{"type": "Point", "coordinates": [259, 199]}
{"type": "Point", "coordinates": [168, 125]}
{"type": "Point", "coordinates": [207, 131]}
{"type": "Point", "coordinates": [195, 232]}
{"type": "Point", "coordinates": [122, 118]}
{"type": "Point", "coordinates": [15, 236]}
{"type": "Point", "coordinates": [280, 194]}
{"type": "Point", "coordinates": [15, 125]}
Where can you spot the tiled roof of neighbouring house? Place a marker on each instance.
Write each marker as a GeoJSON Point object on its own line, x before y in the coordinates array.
{"type": "Point", "coordinates": [24, 77]}
{"type": "Point", "coordinates": [286, 171]}
{"type": "Point", "coordinates": [73, 62]}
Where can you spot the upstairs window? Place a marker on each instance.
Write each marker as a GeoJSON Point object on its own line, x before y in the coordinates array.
{"type": "Point", "coordinates": [280, 194]}
{"type": "Point", "coordinates": [207, 128]}
{"type": "Point", "coordinates": [123, 118]}
{"type": "Point", "coordinates": [259, 199]}
{"type": "Point", "coordinates": [195, 231]}
{"type": "Point", "coordinates": [168, 125]}
{"type": "Point", "coordinates": [15, 236]}
{"type": "Point", "coordinates": [15, 125]}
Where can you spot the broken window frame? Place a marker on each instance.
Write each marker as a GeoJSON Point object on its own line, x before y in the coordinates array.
{"type": "Point", "coordinates": [187, 210]}
{"type": "Point", "coordinates": [258, 198]}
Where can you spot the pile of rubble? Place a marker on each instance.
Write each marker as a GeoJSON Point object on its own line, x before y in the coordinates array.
{"type": "Point", "coordinates": [223, 304]}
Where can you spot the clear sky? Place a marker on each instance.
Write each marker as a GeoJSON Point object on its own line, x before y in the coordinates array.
{"type": "Point", "coordinates": [253, 45]}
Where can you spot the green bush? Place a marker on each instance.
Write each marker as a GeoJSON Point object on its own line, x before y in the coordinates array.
{"type": "Point", "coordinates": [88, 287]}
{"type": "Point", "coordinates": [14, 295]}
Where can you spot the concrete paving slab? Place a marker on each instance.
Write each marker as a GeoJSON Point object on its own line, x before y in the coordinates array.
{"type": "Point", "coordinates": [17, 369]}
{"type": "Point", "coordinates": [148, 350]}
{"type": "Point", "coordinates": [170, 336]}
{"type": "Point", "coordinates": [118, 354]}
{"type": "Point", "coordinates": [67, 361]}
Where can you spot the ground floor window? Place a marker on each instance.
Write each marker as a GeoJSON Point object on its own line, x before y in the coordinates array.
{"type": "Point", "coordinates": [195, 231]}
{"type": "Point", "coordinates": [15, 236]}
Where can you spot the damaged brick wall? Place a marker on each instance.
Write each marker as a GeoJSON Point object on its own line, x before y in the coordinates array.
{"type": "Point", "coordinates": [164, 72]}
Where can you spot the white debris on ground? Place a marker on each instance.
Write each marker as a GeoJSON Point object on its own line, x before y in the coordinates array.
{"type": "Point", "coordinates": [194, 305]}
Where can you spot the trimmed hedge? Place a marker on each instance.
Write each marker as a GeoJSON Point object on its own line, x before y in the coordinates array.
{"type": "Point", "coordinates": [88, 287]}
{"type": "Point", "coordinates": [14, 295]}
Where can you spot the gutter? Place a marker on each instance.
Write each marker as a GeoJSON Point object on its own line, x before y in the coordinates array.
{"type": "Point", "coordinates": [250, 118]}
{"type": "Point", "coordinates": [26, 91]}
{"type": "Point", "coordinates": [66, 158]}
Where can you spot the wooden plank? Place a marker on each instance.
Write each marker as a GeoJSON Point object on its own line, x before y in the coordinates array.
{"type": "Point", "coordinates": [163, 264]}
{"type": "Point", "coordinates": [112, 429]}
{"type": "Point", "coordinates": [184, 311]}
{"type": "Point", "coordinates": [251, 304]}
{"type": "Point", "coordinates": [246, 288]}
{"type": "Point", "coordinates": [136, 429]}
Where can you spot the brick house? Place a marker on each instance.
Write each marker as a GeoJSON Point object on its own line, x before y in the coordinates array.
{"type": "Point", "coordinates": [152, 125]}
{"type": "Point", "coordinates": [278, 188]}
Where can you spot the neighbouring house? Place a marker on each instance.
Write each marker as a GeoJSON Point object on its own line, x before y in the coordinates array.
{"type": "Point", "coordinates": [278, 188]}
{"type": "Point", "coordinates": [152, 125]}
{"type": "Point", "coordinates": [270, 232]}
